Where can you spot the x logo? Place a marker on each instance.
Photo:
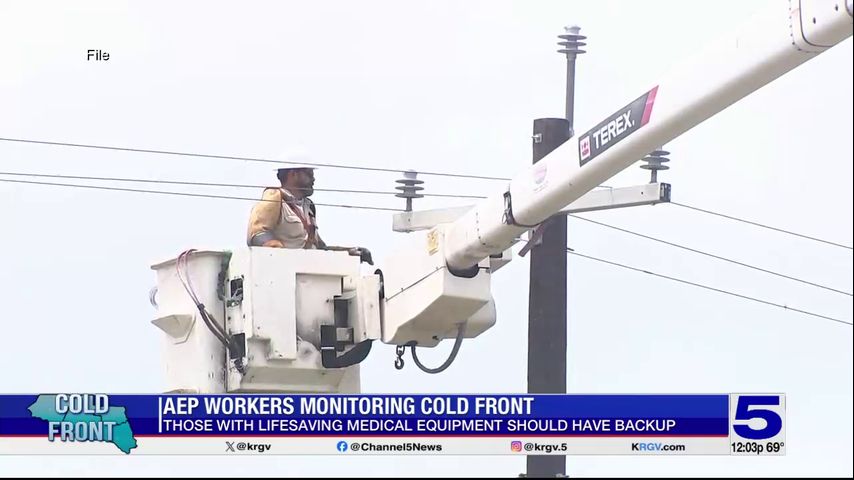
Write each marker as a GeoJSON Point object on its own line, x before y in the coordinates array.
{"type": "Point", "coordinates": [229, 446]}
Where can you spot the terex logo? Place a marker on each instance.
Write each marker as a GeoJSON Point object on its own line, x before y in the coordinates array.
{"type": "Point", "coordinates": [616, 127]}
{"type": "Point", "coordinates": [613, 129]}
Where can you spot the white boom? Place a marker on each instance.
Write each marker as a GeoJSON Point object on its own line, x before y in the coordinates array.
{"type": "Point", "coordinates": [769, 45]}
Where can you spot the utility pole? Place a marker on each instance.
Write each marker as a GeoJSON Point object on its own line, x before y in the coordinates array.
{"type": "Point", "coordinates": [547, 316]}
{"type": "Point", "coordinates": [547, 300]}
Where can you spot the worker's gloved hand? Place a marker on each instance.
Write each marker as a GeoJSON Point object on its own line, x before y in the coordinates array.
{"type": "Point", "coordinates": [274, 244]}
{"type": "Point", "coordinates": [363, 253]}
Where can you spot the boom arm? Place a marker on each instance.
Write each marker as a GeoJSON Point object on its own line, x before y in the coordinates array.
{"type": "Point", "coordinates": [771, 44]}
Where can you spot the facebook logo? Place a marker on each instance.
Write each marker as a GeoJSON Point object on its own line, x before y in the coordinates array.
{"type": "Point", "coordinates": [342, 446]}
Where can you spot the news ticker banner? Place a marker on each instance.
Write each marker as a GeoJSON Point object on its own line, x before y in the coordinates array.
{"type": "Point", "coordinates": [62, 423]}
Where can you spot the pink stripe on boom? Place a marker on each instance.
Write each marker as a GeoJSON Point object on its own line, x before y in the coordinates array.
{"type": "Point", "coordinates": [647, 110]}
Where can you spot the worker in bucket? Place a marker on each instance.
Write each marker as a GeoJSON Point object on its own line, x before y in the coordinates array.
{"type": "Point", "coordinates": [286, 218]}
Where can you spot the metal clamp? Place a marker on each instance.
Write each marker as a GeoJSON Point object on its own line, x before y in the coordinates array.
{"type": "Point", "coordinates": [508, 218]}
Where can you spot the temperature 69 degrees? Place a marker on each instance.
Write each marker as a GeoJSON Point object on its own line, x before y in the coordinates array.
{"type": "Point", "coordinates": [757, 424]}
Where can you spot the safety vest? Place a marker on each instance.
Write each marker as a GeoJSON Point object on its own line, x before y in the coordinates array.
{"type": "Point", "coordinates": [297, 227]}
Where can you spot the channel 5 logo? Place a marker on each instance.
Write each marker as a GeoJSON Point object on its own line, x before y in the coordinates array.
{"type": "Point", "coordinates": [758, 417]}
{"type": "Point", "coordinates": [515, 446]}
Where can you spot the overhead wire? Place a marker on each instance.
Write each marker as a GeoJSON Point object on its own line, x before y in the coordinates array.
{"type": "Point", "coordinates": [711, 255]}
{"type": "Point", "coordinates": [746, 297]}
{"type": "Point", "coordinates": [214, 184]}
{"type": "Point", "coordinates": [706, 287]}
{"type": "Point", "coordinates": [762, 225]}
{"type": "Point", "coordinates": [378, 169]}
{"type": "Point", "coordinates": [256, 159]}
{"type": "Point", "coordinates": [245, 159]}
{"type": "Point", "coordinates": [187, 194]}
{"type": "Point", "coordinates": [227, 197]}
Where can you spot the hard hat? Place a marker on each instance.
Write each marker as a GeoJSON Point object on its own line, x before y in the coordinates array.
{"type": "Point", "coordinates": [295, 159]}
{"type": "Point", "coordinates": [296, 166]}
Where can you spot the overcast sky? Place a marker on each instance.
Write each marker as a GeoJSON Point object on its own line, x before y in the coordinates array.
{"type": "Point", "coordinates": [443, 86]}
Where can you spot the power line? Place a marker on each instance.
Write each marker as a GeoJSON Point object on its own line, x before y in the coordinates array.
{"type": "Point", "coordinates": [757, 224]}
{"type": "Point", "coordinates": [172, 182]}
{"type": "Point", "coordinates": [686, 282]}
{"type": "Point", "coordinates": [209, 184]}
{"type": "Point", "coordinates": [95, 187]}
{"type": "Point", "coordinates": [187, 194]}
{"type": "Point", "coordinates": [711, 255]}
{"type": "Point", "coordinates": [245, 159]}
{"type": "Point", "coordinates": [261, 160]}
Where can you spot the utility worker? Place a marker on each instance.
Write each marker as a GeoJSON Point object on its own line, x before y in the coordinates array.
{"type": "Point", "coordinates": [286, 218]}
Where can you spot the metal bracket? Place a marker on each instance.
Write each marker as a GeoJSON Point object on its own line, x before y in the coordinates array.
{"type": "Point", "coordinates": [648, 194]}
{"type": "Point", "coordinates": [177, 326]}
{"type": "Point", "coordinates": [602, 199]}
{"type": "Point", "coordinates": [235, 290]}
{"type": "Point", "coordinates": [606, 199]}
{"type": "Point", "coordinates": [331, 342]}
{"type": "Point", "coordinates": [534, 239]}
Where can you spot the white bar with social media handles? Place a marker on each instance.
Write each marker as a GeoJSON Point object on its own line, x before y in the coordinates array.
{"type": "Point", "coordinates": [258, 445]}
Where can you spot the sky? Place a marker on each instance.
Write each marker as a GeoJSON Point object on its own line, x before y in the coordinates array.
{"type": "Point", "coordinates": [441, 86]}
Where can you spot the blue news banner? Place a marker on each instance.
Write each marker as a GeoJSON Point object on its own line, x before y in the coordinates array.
{"type": "Point", "coordinates": [94, 423]}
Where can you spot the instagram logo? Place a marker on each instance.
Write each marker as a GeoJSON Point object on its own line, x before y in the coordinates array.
{"type": "Point", "coordinates": [516, 446]}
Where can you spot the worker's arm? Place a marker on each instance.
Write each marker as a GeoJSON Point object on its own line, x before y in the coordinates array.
{"type": "Point", "coordinates": [363, 253]}
{"type": "Point", "coordinates": [264, 218]}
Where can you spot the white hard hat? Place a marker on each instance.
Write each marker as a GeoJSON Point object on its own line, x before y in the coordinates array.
{"type": "Point", "coordinates": [295, 159]}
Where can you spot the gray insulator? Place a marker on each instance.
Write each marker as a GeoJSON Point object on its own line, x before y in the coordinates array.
{"type": "Point", "coordinates": [409, 188]}
{"type": "Point", "coordinates": [655, 162]}
{"type": "Point", "coordinates": [572, 41]}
